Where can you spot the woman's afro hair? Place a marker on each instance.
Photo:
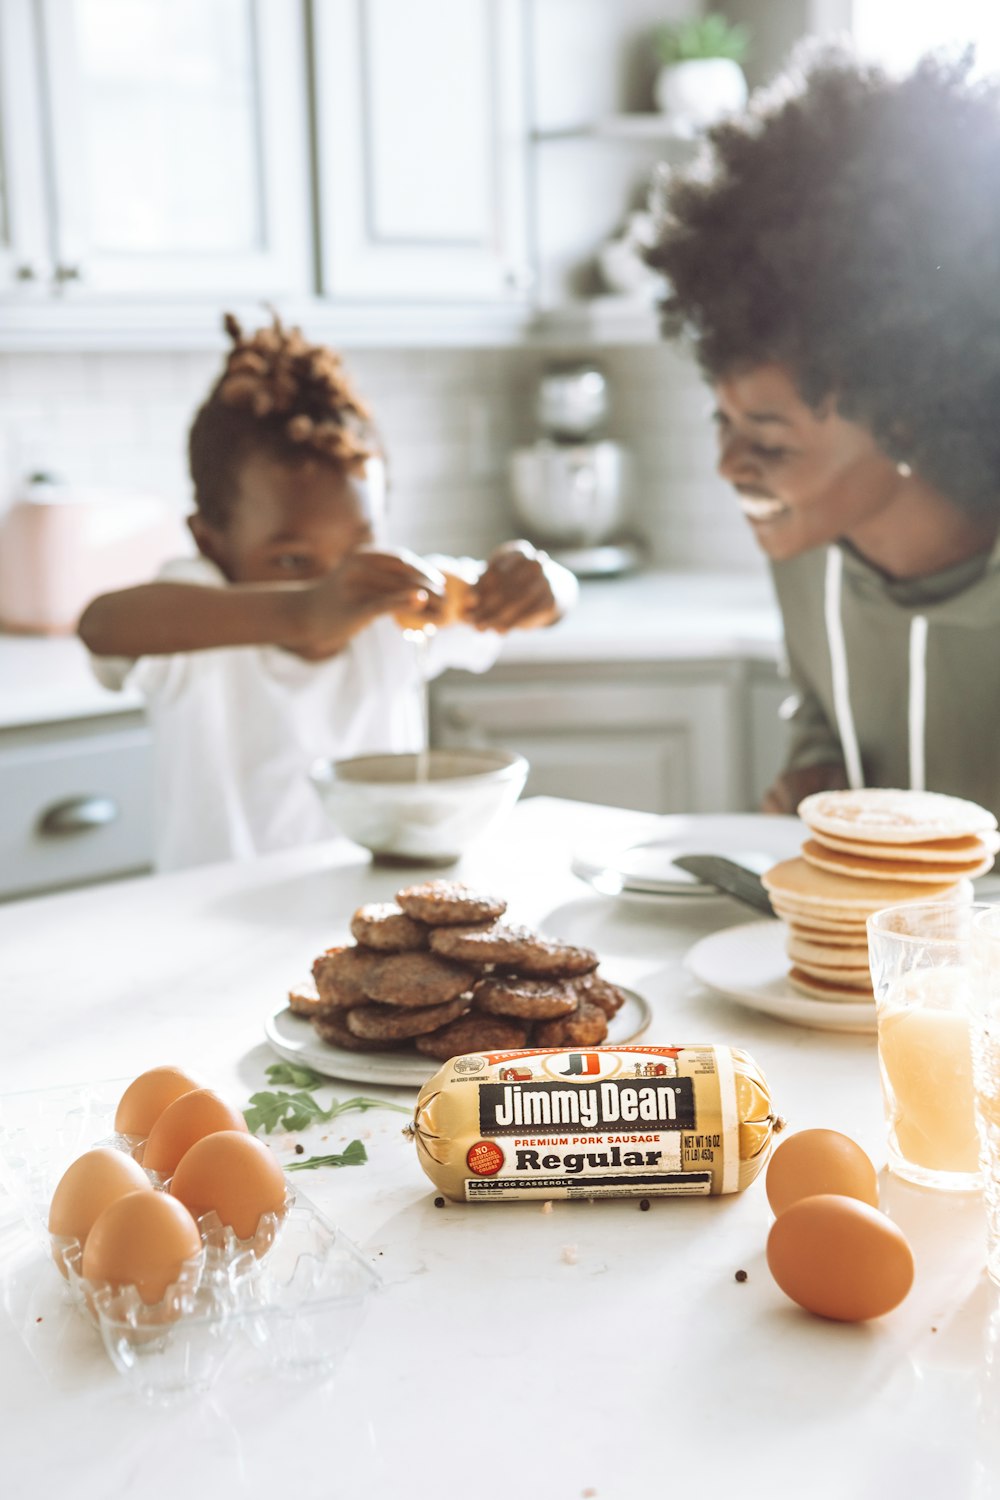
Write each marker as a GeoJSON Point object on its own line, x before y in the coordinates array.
{"type": "Point", "coordinates": [847, 227]}
{"type": "Point", "coordinates": [281, 395]}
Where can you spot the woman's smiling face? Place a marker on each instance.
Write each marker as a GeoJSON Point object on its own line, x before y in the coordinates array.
{"type": "Point", "coordinates": [804, 476]}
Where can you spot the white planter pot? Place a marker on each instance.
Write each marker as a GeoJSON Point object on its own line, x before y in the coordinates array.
{"type": "Point", "coordinates": [699, 93]}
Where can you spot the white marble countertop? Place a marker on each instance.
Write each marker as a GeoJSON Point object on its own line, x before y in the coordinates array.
{"type": "Point", "coordinates": [593, 1351]}
{"type": "Point", "coordinates": [649, 617]}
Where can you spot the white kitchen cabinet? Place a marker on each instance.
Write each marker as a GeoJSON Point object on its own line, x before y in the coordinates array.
{"type": "Point", "coordinates": [159, 148]}
{"type": "Point", "coordinates": [422, 142]}
{"type": "Point", "coordinates": [660, 738]}
{"type": "Point", "coordinates": [75, 802]}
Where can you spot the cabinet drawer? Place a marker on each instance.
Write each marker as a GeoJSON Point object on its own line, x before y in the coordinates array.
{"type": "Point", "coordinates": [74, 809]}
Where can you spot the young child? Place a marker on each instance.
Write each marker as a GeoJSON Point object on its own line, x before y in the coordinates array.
{"type": "Point", "coordinates": [282, 640]}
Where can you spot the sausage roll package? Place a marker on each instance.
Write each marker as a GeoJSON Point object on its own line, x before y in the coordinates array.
{"type": "Point", "coordinates": [611, 1122]}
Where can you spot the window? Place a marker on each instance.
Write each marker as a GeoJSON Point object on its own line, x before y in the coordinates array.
{"type": "Point", "coordinates": [897, 34]}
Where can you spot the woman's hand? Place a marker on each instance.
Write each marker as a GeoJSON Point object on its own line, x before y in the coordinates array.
{"type": "Point", "coordinates": [518, 590]}
{"type": "Point", "coordinates": [791, 786]}
{"type": "Point", "coordinates": [363, 586]}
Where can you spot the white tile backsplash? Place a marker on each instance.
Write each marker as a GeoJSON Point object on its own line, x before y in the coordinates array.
{"type": "Point", "coordinates": [449, 419]}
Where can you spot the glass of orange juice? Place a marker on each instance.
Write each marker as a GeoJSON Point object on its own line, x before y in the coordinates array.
{"type": "Point", "coordinates": [985, 1033]}
{"type": "Point", "coordinates": [923, 976]}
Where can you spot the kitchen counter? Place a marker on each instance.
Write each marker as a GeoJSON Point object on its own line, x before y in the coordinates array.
{"type": "Point", "coordinates": [649, 617]}
{"type": "Point", "coordinates": [592, 1351]}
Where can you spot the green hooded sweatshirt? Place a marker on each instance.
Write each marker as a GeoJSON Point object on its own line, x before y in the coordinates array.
{"type": "Point", "coordinates": [899, 681]}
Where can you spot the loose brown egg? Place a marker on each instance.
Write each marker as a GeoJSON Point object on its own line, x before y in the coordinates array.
{"type": "Point", "coordinates": [87, 1187]}
{"type": "Point", "coordinates": [141, 1240]}
{"type": "Point", "coordinates": [819, 1161]}
{"type": "Point", "coordinates": [233, 1173]}
{"type": "Point", "coordinates": [840, 1258]}
{"type": "Point", "coordinates": [182, 1123]}
{"type": "Point", "coordinates": [147, 1097]}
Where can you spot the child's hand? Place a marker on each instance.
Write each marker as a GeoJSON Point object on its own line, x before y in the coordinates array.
{"type": "Point", "coordinates": [363, 586]}
{"type": "Point", "coordinates": [516, 591]}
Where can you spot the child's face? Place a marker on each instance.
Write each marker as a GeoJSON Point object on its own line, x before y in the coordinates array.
{"type": "Point", "coordinates": [289, 522]}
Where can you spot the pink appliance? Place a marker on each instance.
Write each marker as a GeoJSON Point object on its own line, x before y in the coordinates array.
{"type": "Point", "coordinates": [61, 546]}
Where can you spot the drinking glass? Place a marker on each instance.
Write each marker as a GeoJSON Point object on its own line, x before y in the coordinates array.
{"type": "Point", "coordinates": [985, 1034]}
{"type": "Point", "coordinates": [922, 973]}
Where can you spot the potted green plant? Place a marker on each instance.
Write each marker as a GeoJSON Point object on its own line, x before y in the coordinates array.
{"type": "Point", "coordinates": [700, 79]}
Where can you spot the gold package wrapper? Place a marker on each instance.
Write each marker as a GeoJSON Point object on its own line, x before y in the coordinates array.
{"type": "Point", "coordinates": [610, 1122]}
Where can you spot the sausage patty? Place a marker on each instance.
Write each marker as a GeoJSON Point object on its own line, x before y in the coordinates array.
{"type": "Point", "coordinates": [513, 947]}
{"type": "Point", "coordinates": [416, 979]}
{"type": "Point", "coordinates": [473, 1034]}
{"type": "Point", "coordinates": [334, 1030]}
{"type": "Point", "coordinates": [447, 903]}
{"type": "Point", "coordinates": [391, 1023]}
{"type": "Point", "coordinates": [384, 925]}
{"type": "Point", "coordinates": [585, 1028]}
{"type": "Point", "coordinates": [341, 975]}
{"type": "Point", "coordinates": [528, 999]}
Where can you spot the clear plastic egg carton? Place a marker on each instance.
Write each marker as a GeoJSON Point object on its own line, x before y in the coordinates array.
{"type": "Point", "coordinates": [295, 1294]}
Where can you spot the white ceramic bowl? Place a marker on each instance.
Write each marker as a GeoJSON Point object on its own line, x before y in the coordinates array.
{"type": "Point", "coordinates": [377, 800]}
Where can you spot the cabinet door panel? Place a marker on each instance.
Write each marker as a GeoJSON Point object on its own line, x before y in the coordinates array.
{"type": "Point", "coordinates": [649, 744]}
{"type": "Point", "coordinates": [25, 250]}
{"type": "Point", "coordinates": [73, 810]}
{"type": "Point", "coordinates": [651, 771]}
{"type": "Point", "coordinates": [422, 145]}
{"type": "Point", "coordinates": [179, 145]}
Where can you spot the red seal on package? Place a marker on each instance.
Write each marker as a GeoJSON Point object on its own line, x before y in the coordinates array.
{"type": "Point", "coordinates": [484, 1159]}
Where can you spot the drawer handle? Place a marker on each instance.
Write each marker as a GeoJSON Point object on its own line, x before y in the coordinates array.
{"type": "Point", "coordinates": [77, 815]}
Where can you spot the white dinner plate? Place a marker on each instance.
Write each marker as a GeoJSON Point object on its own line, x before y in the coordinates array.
{"type": "Point", "coordinates": [294, 1038]}
{"type": "Point", "coordinates": [643, 867]}
{"type": "Point", "coordinates": [749, 964]}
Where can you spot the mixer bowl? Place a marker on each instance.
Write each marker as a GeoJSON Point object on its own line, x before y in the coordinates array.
{"type": "Point", "coordinates": [573, 494]}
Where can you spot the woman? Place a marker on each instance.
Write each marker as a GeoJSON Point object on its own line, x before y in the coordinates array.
{"type": "Point", "coordinates": [835, 261]}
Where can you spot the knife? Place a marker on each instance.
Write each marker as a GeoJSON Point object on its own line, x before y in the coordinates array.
{"type": "Point", "coordinates": [726, 875]}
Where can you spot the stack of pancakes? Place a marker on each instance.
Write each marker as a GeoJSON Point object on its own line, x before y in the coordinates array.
{"type": "Point", "coordinates": [439, 969]}
{"type": "Point", "coordinates": [870, 849]}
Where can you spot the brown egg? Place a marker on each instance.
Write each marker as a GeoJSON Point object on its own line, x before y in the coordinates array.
{"type": "Point", "coordinates": [87, 1187]}
{"type": "Point", "coordinates": [142, 1240]}
{"type": "Point", "coordinates": [233, 1173]}
{"type": "Point", "coordinates": [819, 1161]}
{"type": "Point", "coordinates": [147, 1097]}
{"type": "Point", "coordinates": [182, 1123]}
{"type": "Point", "coordinates": [840, 1258]}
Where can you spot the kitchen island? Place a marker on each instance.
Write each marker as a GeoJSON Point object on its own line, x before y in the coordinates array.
{"type": "Point", "coordinates": [592, 1350]}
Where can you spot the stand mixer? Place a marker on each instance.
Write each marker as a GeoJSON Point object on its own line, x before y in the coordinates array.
{"type": "Point", "coordinates": [571, 488]}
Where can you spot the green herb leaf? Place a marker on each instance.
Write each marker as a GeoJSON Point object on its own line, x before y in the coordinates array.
{"type": "Point", "coordinates": [283, 1111]}
{"type": "Point", "coordinates": [341, 1106]}
{"type": "Point", "coordinates": [353, 1155]}
{"type": "Point", "coordinates": [295, 1074]}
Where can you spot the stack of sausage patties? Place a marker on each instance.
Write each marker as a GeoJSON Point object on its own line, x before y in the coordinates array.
{"type": "Point", "coordinates": [441, 969]}
{"type": "Point", "coordinates": [870, 849]}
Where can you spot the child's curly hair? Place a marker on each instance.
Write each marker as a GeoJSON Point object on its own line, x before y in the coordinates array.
{"type": "Point", "coordinates": [847, 227]}
{"type": "Point", "coordinates": [278, 394]}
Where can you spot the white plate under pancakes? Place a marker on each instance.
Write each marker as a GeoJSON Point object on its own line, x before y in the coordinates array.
{"type": "Point", "coordinates": [643, 867]}
{"type": "Point", "coordinates": [749, 964]}
{"type": "Point", "coordinates": [294, 1038]}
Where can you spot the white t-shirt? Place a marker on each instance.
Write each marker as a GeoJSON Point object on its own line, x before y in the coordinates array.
{"type": "Point", "coordinates": [235, 730]}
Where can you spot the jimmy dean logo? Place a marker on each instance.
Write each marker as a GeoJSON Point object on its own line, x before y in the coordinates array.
{"type": "Point", "coordinates": [542, 1107]}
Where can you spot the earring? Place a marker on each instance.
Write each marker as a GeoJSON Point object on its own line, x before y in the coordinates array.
{"type": "Point", "coordinates": [903, 470]}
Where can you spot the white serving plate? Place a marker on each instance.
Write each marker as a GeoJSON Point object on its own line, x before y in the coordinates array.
{"type": "Point", "coordinates": [294, 1038]}
{"type": "Point", "coordinates": [749, 964]}
{"type": "Point", "coordinates": [644, 868]}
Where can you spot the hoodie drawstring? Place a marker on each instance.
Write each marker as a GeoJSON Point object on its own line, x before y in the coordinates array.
{"type": "Point", "coordinates": [917, 706]}
{"type": "Point", "coordinates": [838, 667]}
{"type": "Point", "coordinates": [917, 713]}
